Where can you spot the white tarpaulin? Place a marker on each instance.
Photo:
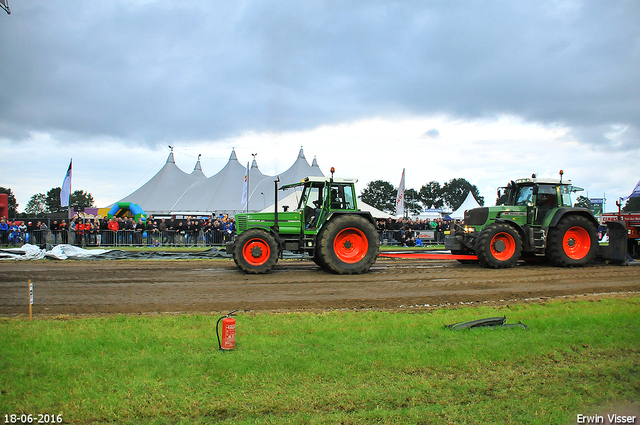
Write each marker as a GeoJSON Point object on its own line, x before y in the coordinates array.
{"type": "Point", "coordinates": [58, 252]}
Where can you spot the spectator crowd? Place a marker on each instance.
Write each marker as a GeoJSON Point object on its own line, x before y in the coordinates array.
{"type": "Point", "coordinates": [193, 231]}
{"type": "Point", "coordinates": [117, 231]}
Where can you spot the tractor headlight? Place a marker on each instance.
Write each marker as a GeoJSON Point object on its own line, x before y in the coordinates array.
{"type": "Point", "coordinates": [468, 229]}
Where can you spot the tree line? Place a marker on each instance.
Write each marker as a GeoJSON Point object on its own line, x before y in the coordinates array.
{"type": "Point", "coordinates": [41, 204]}
{"type": "Point", "coordinates": [382, 195]}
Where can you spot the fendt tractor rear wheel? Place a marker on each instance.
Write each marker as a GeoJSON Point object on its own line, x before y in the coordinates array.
{"type": "Point", "coordinates": [499, 246]}
{"type": "Point", "coordinates": [256, 251]}
{"type": "Point", "coordinates": [573, 242]}
{"type": "Point", "coordinates": [349, 244]}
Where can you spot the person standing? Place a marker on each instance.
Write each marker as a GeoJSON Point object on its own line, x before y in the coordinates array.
{"type": "Point", "coordinates": [44, 230]}
{"type": "Point", "coordinates": [4, 230]}
{"type": "Point", "coordinates": [162, 228]}
{"type": "Point", "coordinates": [63, 230]}
{"type": "Point", "coordinates": [139, 230]}
{"type": "Point", "coordinates": [112, 227]}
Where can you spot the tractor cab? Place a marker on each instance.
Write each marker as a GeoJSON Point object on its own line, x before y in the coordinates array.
{"type": "Point", "coordinates": [538, 196]}
{"type": "Point", "coordinates": [322, 196]}
{"type": "Point", "coordinates": [326, 227]}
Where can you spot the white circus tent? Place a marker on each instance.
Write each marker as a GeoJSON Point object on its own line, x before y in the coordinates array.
{"type": "Point", "coordinates": [469, 203]}
{"type": "Point", "coordinates": [173, 192]}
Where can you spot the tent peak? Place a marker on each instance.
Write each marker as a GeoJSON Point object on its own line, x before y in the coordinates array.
{"type": "Point", "coordinates": [301, 154]}
{"type": "Point", "coordinates": [170, 157]}
{"type": "Point", "coordinates": [198, 167]}
{"type": "Point", "coordinates": [233, 154]}
{"type": "Point", "coordinates": [254, 164]}
{"type": "Point", "coordinates": [314, 163]}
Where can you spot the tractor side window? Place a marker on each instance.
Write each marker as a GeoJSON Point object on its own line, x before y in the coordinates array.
{"type": "Point", "coordinates": [314, 199]}
{"type": "Point", "coordinates": [547, 196]}
{"type": "Point", "coordinates": [565, 192]}
{"type": "Point", "coordinates": [524, 196]}
{"type": "Point", "coordinates": [349, 198]}
{"type": "Point", "coordinates": [342, 198]}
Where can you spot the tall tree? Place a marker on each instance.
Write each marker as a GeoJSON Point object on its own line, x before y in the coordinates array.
{"type": "Point", "coordinates": [632, 205]}
{"type": "Point", "coordinates": [13, 205]}
{"type": "Point", "coordinates": [455, 191]}
{"type": "Point", "coordinates": [53, 200]}
{"type": "Point", "coordinates": [381, 195]}
{"type": "Point", "coordinates": [412, 202]}
{"type": "Point", "coordinates": [431, 195]}
{"type": "Point", "coordinates": [81, 198]}
{"type": "Point", "coordinates": [37, 205]}
{"type": "Point", "coordinates": [582, 202]}
{"type": "Point", "coordinates": [78, 197]}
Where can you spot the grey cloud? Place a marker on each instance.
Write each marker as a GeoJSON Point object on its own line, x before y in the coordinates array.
{"type": "Point", "coordinates": [431, 134]}
{"type": "Point", "coordinates": [157, 71]}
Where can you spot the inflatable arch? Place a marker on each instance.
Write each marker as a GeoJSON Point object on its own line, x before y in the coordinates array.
{"type": "Point", "coordinates": [4, 205]}
{"type": "Point", "coordinates": [128, 206]}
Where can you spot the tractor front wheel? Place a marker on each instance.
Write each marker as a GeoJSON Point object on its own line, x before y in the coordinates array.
{"type": "Point", "coordinates": [256, 251]}
{"type": "Point", "coordinates": [499, 246]}
{"type": "Point", "coordinates": [573, 242]}
{"type": "Point", "coordinates": [349, 244]}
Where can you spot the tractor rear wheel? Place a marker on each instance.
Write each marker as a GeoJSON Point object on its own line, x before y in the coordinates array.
{"type": "Point", "coordinates": [573, 242]}
{"type": "Point", "coordinates": [256, 251]}
{"type": "Point", "coordinates": [499, 246]}
{"type": "Point", "coordinates": [349, 244]}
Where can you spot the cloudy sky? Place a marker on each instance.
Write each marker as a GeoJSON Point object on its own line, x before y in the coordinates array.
{"type": "Point", "coordinates": [484, 90]}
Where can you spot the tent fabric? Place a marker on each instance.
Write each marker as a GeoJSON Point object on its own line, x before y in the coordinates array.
{"type": "Point", "coordinates": [173, 192]}
{"type": "Point", "coordinates": [293, 199]}
{"type": "Point", "coordinates": [468, 204]}
{"type": "Point", "coordinates": [158, 195]}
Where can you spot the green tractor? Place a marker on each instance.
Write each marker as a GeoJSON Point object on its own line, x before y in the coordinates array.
{"type": "Point", "coordinates": [533, 217]}
{"type": "Point", "coordinates": [326, 226]}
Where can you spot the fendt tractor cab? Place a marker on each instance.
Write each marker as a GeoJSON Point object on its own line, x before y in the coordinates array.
{"type": "Point", "coordinates": [533, 217]}
{"type": "Point", "coordinates": [326, 226]}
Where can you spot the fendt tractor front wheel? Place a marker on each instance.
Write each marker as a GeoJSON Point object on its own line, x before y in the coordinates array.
{"type": "Point", "coordinates": [348, 244]}
{"type": "Point", "coordinates": [255, 251]}
{"type": "Point", "coordinates": [498, 246]}
{"type": "Point", "coordinates": [573, 242]}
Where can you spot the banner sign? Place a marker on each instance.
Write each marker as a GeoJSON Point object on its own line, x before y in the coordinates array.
{"type": "Point", "coordinates": [425, 234]}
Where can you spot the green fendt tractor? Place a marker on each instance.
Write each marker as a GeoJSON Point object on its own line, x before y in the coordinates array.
{"type": "Point", "coordinates": [533, 218]}
{"type": "Point", "coordinates": [326, 227]}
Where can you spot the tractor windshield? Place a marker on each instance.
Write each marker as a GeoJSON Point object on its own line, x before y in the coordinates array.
{"type": "Point", "coordinates": [312, 196]}
{"type": "Point", "coordinates": [524, 195]}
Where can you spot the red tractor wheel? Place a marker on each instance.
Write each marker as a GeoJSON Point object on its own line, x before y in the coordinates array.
{"type": "Point", "coordinates": [573, 242]}
{"type": "Point", "coordinates": [256, 251]}
{"type": "Point", "coordinates": [498, 246]}
{"type": "Point", "coordinates": [349, 244]}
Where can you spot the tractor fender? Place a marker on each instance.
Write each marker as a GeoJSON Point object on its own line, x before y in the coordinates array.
{"type": "Point", "coordinates": [579, 211]}
{"type": "Point", "coordinates": [231, 245]}
{"type": "Point", "coordinates": [365, 214]}
{"type": "Point", "coordinates": [519, 229]}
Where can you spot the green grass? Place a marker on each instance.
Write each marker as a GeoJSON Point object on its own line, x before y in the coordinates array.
{"type": "Point", "coordinates": [334, 367]}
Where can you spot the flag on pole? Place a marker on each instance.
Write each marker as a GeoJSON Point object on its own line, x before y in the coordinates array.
{"type": "Point", "coordinates": [245, 186]}
{"type": "Point", "coordinates": [635, 193]}
{"type": "Point", "coordinates": [400, 197]}
{"type": "Point", "coordinates": [65, 192]}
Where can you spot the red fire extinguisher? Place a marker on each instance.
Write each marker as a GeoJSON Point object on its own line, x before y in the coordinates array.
{"type": "Point", "coordinates": [228, 341]}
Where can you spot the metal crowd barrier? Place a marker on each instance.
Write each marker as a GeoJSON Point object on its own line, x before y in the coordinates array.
{"type": "Point", "coordinates": [110, 238]}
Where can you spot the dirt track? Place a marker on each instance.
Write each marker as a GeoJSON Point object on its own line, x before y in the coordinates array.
{"type": "Point", "coordinates": [98, 287]}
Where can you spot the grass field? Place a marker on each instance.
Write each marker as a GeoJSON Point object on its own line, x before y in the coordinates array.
{"type": "Point", "coordinates": [578, 357]}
